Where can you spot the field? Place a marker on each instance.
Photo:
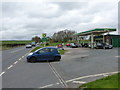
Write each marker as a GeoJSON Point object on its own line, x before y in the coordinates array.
{"type": "Point", "coordinates": [10, 44]}
{"type": "Point", "coordinates": [16, 42]}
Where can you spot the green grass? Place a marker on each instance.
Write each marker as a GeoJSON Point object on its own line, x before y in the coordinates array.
{"type": "Point", "coordinates": [4, 45]}
{"type": "Point", "coordinates": [62, 51]}
{"type": "Point", "coordinates": [106, 82]}
{"type": "Point", "coordinates": [4, 48]}
{"type": "Point", "coordinates": [36, 48]}
{"type": "Point", "coordinates": [53, 44]}
{"type": "Point", "coordinates": [16, 42]}
{"type": "Point", "coordinates": [56, 44]}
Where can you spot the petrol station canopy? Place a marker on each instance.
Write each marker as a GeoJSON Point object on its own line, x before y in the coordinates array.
{"type": "Point", "coordinates": [96, 31]}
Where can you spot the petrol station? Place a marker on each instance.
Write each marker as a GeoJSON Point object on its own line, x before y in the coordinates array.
{"type": "Point", "coordinates": [100, 35]}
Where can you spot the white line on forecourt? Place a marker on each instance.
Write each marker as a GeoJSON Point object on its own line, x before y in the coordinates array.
{"type": "Point", "coordinates": [80, 82]}
{"type": "Point", "coordinates": [91, 76]}
{"type": "Point", "coordinates": [74, 80]}
{"type": "Point", "coordinates": [47, 86]}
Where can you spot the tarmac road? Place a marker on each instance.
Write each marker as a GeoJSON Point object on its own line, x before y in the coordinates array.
{"type": "Point", "coordinates": [11, 55]}
{"type": "Point", "coordinates": [77, 66]}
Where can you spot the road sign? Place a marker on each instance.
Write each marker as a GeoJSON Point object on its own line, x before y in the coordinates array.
{"type": "Point", "coordinates": [44, 40]}
{"type": "Point", "coordinates": [44, 35]}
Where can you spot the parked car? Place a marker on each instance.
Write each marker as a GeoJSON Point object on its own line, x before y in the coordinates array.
{"type": "Point", "coordinates": [44, 54]}
{"type": "Point", "coordinates": [103, 46]}
{"type": "Point", "coordinates": [73, 45]}
{"type": "Point", "coordinates": [85, 45]}
{"type": "Point", "coordinates": [79, 45]}
{"type": "Point", "coordinates": [99, 45]}
{"type": "Point", "coordinates": [107, 46]}
{"type": "Point", "coordinates": [28, 46]}
{"type": "Point", "coordinates": [60, 46]}
{"type": "Point", "coordinates": [33, 44]}
{"type": "Point", "coordinates": [37, 43]}
{"type": "Point", "coordinates": [67, 45]}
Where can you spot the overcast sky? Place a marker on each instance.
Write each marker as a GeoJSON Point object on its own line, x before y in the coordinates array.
{"type": "Point", "coordinates": [22, 20]}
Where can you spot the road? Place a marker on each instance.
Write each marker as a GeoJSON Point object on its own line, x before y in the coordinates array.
{"type": "Point", "coordinates": [77, 66]}
{"type": "Point", "coordinates": [10, 56]}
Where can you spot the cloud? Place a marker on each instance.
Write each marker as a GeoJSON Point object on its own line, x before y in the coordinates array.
{"type": "Point", "coordinates": [22, 20]}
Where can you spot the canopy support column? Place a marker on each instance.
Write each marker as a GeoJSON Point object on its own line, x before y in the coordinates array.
{"type": "Point", "coordinates": [103, 38]}
{"type": "Point", "coordinates": [92, 40]}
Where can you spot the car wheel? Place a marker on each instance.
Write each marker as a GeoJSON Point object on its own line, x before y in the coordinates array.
{"type": "Point", "coordinates": [28, 60]}
{"type": "Point", "coordinates": [57, 58]}
{"type": "Point", "coordinates": [33, 59]}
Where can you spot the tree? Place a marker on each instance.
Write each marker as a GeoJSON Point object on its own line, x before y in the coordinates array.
{"type": "Point", "coordinates": [49, 39]}
{"type": "Point", "coordinates": [36, 39]}
{"type": "Point", "coordinates": [63, 36]}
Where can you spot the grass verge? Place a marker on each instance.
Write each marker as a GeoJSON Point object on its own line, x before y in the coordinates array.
{"type": "Point", "coordinates": [4, 48]}
{"type": "Point", "coordinates": [106, 82]}
{"type": "Point", "coordinates": [62, 51]}
{"type": "Point", "coordinates": [36, 48]}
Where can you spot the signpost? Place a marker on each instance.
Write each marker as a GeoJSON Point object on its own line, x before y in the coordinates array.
{"type": "Point", "coordinates": [44, 39]}
{"type": "Point", "coordinates": [44, 35]}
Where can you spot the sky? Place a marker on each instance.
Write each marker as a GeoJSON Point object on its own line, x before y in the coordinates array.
{"type": "Point", "coordinates": [23, 20]}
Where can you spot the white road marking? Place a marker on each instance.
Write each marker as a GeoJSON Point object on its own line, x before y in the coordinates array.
{"type": "Point", "coordinates": [26, 54]}
{"type": "Point", "coordinates": [90, 76]}
{"type": "Point", "coordinates": [58, 76]}
{"type": "Point", "coordinates": [79, 82]}
{"type": "Point", "coordinates": [117, 56]}
{"type": "Point", "coordinates": [47, 86]}
{"type": "Point", "coordinates": [10, 66]}
{"type": "Point", "coordinates": [2, 73]}
{"type": "Point", "coordinates": [105, 75]}
{"type": "Point", "coordinates": [16, 62]}
{"type": "Point", "coordinates": [57, 83]}
{"type": "Point", "coordinates": [19, 59]}
{"type": "Point", "coordinates": [75, 79]}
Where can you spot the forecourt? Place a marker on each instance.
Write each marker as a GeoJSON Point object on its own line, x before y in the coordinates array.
{"type": "Point", "coordinates": [75, 63]}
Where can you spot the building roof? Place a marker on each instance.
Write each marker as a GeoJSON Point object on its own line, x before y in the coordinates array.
{"type": "Point", "coordinates": [96, 31]}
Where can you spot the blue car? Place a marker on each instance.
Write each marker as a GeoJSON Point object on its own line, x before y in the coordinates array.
{"type": "Point", "coordinates": [44, 54]}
